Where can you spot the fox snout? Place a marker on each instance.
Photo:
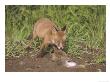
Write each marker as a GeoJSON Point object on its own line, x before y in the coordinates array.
{"type": "Point", "coordinates": [60, 46]}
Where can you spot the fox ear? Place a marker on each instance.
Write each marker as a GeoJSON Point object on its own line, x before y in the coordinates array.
{"type": "Point", "coordinates": [64, 28]}
{"type": "Point", "coordinates": [54, 30]}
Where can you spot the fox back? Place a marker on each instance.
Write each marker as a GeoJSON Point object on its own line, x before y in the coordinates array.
{"type": "Point", "coordinates": [46, 29]}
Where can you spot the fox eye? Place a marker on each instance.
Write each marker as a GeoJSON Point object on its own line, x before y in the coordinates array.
{"type": "Point", "coordinates": [57, 42]}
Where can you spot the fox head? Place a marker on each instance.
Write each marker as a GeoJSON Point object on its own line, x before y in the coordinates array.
{"type": "Point", "coordinates": [59, 37]}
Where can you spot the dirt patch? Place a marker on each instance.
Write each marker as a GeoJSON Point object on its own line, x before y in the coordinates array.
{"type": "Point", "coordinates": [30, 63]}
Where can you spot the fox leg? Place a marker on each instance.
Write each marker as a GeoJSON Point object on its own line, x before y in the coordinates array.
{"type": "Point", "coordinates": [43, 46]}
{"type": "Point", "coordinates": [42, 51]}
{"type": "Point", "coordinates": [32, 39]}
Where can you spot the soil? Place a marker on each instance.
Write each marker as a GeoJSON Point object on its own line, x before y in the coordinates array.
{"type": "Point", "coordinates": [31, 63]}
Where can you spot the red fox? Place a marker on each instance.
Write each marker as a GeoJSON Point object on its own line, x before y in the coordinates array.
{"type": "Point", "coordinates": [48, 31]}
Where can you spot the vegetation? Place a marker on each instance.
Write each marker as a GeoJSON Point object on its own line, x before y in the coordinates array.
{"type": "Point", "coordinates": [85, 27]}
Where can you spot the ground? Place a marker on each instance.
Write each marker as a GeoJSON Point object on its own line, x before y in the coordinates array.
{"type": "Point", "coordinates": [30, 63]}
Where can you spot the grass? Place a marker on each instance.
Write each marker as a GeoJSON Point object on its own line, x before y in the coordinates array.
{"type": "Point", "coordinates": [85, 26]}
